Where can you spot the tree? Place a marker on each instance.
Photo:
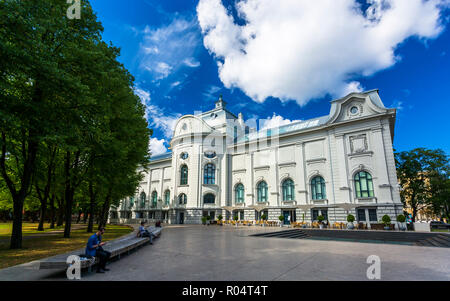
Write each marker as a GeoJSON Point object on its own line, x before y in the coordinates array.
{"type": "Point", "coordinates": [38, 45]}
{"type": "Point", "coordinates": [415, 169]}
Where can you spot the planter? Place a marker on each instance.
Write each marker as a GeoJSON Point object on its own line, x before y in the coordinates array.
{"type": "Point", "coordinates": [350, 226]}
{"type": "Point", "coordinates": [387, 227]}
{"type": "Point", "coordinates": [321, 226]}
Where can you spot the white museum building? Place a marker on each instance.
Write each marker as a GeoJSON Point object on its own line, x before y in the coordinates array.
{"type": "Point", "coordinates": [334, 165]}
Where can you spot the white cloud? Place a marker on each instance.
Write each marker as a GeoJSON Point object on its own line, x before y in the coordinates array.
{"type": "Point", "coordinates": [166, 49]}
{"type": "Point", "coordinates": [274, 122]}
{"type": "Point", "coordinates": [157, 146]}
{"type": "Point", "coordinates": [155, 115]}
{"type": "Point", "coordinates": [302, 49]}
{"type": "Point", "coordinates": [191, 62]}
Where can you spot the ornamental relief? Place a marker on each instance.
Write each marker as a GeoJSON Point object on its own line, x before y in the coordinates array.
{"type": "Point", "coordinates": [358, 144]}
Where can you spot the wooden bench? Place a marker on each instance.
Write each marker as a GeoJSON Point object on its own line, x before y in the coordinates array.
{"type": "Point", "coordinates": [116, 247]}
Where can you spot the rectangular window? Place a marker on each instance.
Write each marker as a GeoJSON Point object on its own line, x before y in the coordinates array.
{"type": "Point", "coordinates": [373, 215]}
{"type": "Point", "coordinates": [361, 215]}
{"type": "Point", "coordinates": [241, 215]}
{"type": "Point", "coordinates": [324, 214]}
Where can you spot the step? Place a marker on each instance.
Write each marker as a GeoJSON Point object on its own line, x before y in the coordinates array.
{"type": "Point", "coordinates": [443, 242]}
{"type": "Point", "coordinates": [444, 237]}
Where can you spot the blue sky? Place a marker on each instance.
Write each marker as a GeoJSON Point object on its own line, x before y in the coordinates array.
{"type": "Point", "coordinates": [285, 62]}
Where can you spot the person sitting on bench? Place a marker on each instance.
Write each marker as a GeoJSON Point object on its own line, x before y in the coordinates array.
{"type": "Point", "coordinates": [94, 248]}
{"type": "Point", "coordinates": [142, 232]}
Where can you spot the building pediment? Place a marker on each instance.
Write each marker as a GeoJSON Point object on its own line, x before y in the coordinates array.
{"type": "Point", "coordinates": [190, 124]}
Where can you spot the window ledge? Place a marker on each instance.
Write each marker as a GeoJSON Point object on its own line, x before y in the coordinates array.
{"type": "Point", "coordinates": [367, 200]}
{"type": "Point", "coordinates": [321, 201]}
{"type": "Point", "coordinates": [183, 185]}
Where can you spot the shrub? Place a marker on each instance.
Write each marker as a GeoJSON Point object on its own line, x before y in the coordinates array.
{"type": "Point", "coordinates": [401, 218]}
{"type": "Point", "coordinates": [235, 218]}
{"type": "Point", "coordinates": [350, 218]}
{"type": "Point", "coordinates": [264, 217]}
{"type": "Point", "coordinates": [281, 218]}
{"type": "Point", "coordinates": [386, 220]}
{"type": "Point", "coordinates": [208, 218]}
{"type": "Point", "coordinates": [220, 217]}
{"type": "Point", "coordinates": [204, 220]}
{"type": "Point", "coordinates": [320, 218]}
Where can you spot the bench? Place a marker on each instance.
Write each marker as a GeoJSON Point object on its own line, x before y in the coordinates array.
{"type": "Point", "coordinates": [116, 247]}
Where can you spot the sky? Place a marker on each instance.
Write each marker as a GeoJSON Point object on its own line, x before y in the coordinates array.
{"type": "Point", "coordinates": [280, 61]}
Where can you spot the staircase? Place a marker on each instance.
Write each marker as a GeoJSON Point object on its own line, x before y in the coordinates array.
{"type": "Point", "coordinates": [294, 233]}
{"type": "Point", "coordinates": [442, 241]}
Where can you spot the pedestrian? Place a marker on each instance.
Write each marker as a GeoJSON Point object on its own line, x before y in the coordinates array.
{"type": "Point", "coordinates": [94, 248]}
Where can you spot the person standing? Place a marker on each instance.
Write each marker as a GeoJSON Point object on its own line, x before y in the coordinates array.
{"type": "Point", "coordinates": [94, 248]}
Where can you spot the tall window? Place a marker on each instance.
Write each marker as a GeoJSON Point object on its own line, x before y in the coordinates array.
{"type": "Point", "coordinates": [209, 176]}
{"type": "Point", "coordinates": [184, 175]}
{"type": "Point", "coordinates": [143, 197]}
{"type": "Point", "coordinates": [288, 190]}
{"type": "Point", "coordinates": [262, 192]}
{"type": "Point", "coordinates": [239, 193]}
{"type": "Point", "coordinates": [182, 199]}
{"type": "Point", "coordinates": [363, 185]}
{"type": "Point", "coordinates": [318, 188]}
{"type": "Point", "coordinates": [167, 197]}
{"type": "Point", "coordinates": [154, 198]}
{"type": "Point", "coordinates": [209, 198]}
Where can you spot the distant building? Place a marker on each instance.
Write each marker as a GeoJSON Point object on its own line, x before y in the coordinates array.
{"type": "Point", "coordinates": [331, 165]}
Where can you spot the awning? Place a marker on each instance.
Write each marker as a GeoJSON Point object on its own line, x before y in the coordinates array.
{"type": "Point", "coordinates": [305, 207]}
{"type": "Point", "coordinates": [258, 208]}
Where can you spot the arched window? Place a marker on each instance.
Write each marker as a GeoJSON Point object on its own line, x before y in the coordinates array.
{"type": "Point", "coordinates": [262, 192]}
{"type": "Point", "coordinates": [318, 188]}
{"type": "Point", "coordinates": [209, 176]}
{"type": "Point", "coordinates": [167, 197]}
{"type": "Point", "coordinates": [363, 185]}
{"type": "Point", "coordinates": [143, 197]}
{"type": "Point", "coordinates": [288, 190]}
{"type": "Point", "coordinates": [239, 193]}
{"type": "Point", "coordinates": [182, 199]}
{"type": "Point", "coordinates": [154, 198]}
{"type": "Point", "coordinates": [209, 198]}
{"type": "Point", "coordinates": [184, 175]}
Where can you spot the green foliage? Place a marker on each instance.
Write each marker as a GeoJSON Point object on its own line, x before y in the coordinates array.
{"type": "Point", "coordinates": [70, 123]}
{"type": "Point", "coordinates": [350, 218]}
{"type": "Point", "coordinates": [235, 218]}
{"type": "Point", "coordinates": [220, 217]}
{"type": "Point", "coordinates": [264, 217]}
{"type": "Point", "coordinates": [320, 218]}
{"type": "Point", "coordinates": [281, 218]}
{"type": "Point", "coordinates": [208, 218]}
{"type": "Point", "coordinates": [422, 174]}
{"type": "Point", "coordinates": [204, 219]}
{"type": "Point", "coordinates": [401, 218]}
{"type": "Point", "coordinates": [386, 220]}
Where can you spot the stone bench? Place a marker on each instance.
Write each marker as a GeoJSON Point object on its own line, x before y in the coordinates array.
{"type": "Point", "coordinates": [116, 247]}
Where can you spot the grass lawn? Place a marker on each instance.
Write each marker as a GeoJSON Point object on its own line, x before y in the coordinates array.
{"type": "Point", "coordinates": [440, 230]}
{"type": "Point", "coordinates": [41, 246]}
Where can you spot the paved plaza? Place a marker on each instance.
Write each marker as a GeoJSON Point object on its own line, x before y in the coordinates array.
{"type": "Point", "coordinates": [195, 252]}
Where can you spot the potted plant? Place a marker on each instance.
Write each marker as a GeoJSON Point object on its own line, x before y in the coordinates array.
{"type": "Point", "coordinates": [219, 218]}
{"type": "Point", "coordinates": [208, 218]}
{"type": "Point", "coordinates": [401, 219]}
{"type": "Point", "coordinates": [204, 220]}
{"type": "Point", "coordinates": [386, 220]}
{"type": "Point", "coordinates": [320, 219]}
{"type": "Point", "coordinates": [264, 218]}
{"type": "Point", "coordinates": [350, 220]}
{"type": "Point", "coordinates": [281, 218]}
{"type": "Point", "coordinates": [235, 218]}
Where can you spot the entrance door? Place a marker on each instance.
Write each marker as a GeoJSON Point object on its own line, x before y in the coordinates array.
{"type": "Point", "coordinates": [287, 217]}
{"type": "Point", "coordinates": [181, 217]}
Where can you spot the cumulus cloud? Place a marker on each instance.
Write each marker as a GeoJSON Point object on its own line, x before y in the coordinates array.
{"type": "Point", "coordinates": [301, 49]}
{"type": "Point", "coordinates": [274, 122]}
{"type": "Point", "coordinates": [166, 49]}
{"type": "Point", "coordinates": [157, 146]}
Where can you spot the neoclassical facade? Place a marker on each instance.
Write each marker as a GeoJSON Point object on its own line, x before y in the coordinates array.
{"type": "Point", "coordinates": [333, 165]}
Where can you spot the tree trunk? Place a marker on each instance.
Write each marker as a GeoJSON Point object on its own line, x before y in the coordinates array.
{"type": "Point", "coordinates": [16, 235]}
{"type": "Point", "coordinates": [43, 211]}
{"type": "Point", "coordinates": [52, 212]}
{"type": "Point", "coordinates": [105, 211]}
{"type": "Point", "coordinates": [79, 216]}
{"type": "Point", "coordinates": [60, 220]}
{"type": "Point", "coordinates": [91, 208]}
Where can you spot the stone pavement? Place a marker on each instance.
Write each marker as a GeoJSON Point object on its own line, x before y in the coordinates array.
{"type": "Point", "coordinates": [195, 252]}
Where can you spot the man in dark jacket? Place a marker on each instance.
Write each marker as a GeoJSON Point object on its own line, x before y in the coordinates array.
{"type": "Point", "coordinates": [94, 248]}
